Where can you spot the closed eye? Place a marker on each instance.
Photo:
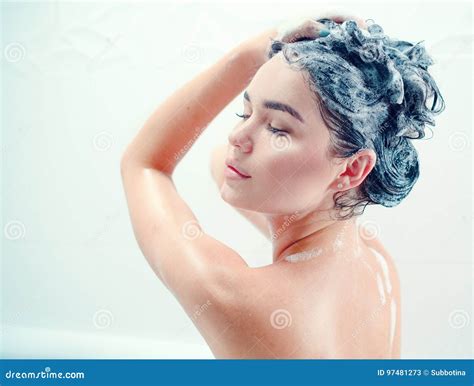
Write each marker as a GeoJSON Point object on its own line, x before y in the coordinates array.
{"type": "Point", "coordinates": [269, 127]}
{"type": "Point", "coordinates": [243, 116]}
{"type": "Point", "coordinates": [277, 131]}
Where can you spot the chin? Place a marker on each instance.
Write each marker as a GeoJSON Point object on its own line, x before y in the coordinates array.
{"type": "Point", "coordinates": [234, 197]}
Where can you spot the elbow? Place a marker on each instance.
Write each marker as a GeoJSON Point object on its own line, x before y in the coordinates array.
{"type": "Point", "coordinates": [129, 166]}
{"type": "Point", "coordinates": [125, 164]}
{"type": "Point", "coordinates": [128, 161]}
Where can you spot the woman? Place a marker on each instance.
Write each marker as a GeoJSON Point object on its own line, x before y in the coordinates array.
{"type": "Point", "coordinates": [329, 112]}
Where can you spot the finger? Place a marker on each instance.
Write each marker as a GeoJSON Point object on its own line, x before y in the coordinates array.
{"type": "Point", "coordinates": [342, 15]}
{"type": "Point", "coordinates": [361, 23]}
{"type": "Point", "coordinates": [310, 29]}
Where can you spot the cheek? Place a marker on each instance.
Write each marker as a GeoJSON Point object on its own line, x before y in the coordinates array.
{"type": "Point", "coordinates": [304, 174]}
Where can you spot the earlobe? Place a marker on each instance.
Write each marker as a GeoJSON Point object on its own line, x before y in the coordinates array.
{"type": "Point", "coordinates": [356, 170]}
{"type": "Point", "coordinates": [342, 183]}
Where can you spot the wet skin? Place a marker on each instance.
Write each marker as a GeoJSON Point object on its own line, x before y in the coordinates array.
{"type": "Point", "coordinates": [335, 301]}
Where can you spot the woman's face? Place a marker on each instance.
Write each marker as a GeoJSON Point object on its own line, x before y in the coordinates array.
{"type": "Point", "coordinates": [288, 170]}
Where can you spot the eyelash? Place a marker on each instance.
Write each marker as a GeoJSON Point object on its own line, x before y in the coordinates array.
{"type": "Point", "coordinates": [269, 128]}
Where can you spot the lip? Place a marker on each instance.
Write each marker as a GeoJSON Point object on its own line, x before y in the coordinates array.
{"type": "Point", "coordinates": [233, 171]}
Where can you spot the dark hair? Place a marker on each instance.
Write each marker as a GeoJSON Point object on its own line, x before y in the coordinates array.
{"type": "Point", "coordinates": [372, 93]}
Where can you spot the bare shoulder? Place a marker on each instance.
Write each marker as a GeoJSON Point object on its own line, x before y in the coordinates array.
{"type": "Point", "coordinates": [360, 298]}
{"type": "Point", "coordinates": [375, 245]}
{"type": "Point", "coordinates": [382, 275]}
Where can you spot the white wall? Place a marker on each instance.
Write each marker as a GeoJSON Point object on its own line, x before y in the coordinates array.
{"type": "Point", "coordinates": [78, 81]}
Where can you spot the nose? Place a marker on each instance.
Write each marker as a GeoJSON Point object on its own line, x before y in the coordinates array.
{"type": "Point", "coordinates": [239, 137]}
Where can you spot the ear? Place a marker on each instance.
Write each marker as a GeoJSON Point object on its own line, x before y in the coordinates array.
{"type": "Point", "coordinates": [354, 170]}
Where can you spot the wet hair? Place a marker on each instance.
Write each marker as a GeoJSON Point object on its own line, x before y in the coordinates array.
{"type": "Point", "coordinates": [372, 92]}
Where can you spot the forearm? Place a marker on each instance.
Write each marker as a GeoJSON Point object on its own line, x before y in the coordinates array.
{"type": "Point", "coordinates": [175, 125]}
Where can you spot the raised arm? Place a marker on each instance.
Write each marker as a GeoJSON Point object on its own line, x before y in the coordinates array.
{"type": "Point", "coordinates": [175, 125]}
{"type": "Point", "coordinates": [194, 266]}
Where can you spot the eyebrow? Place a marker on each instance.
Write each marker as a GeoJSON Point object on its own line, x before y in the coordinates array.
{"type": "Point", "coordinates": [278, 106]}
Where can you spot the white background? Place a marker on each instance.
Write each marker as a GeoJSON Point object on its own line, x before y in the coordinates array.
{"type": "Point", "coordinates": [78, 81]}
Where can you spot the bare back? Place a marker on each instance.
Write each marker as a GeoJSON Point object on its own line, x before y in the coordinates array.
{"type": "Point", "coordinates": [323, 308]}
{"type": "Point", "coordinates": [348, 308]}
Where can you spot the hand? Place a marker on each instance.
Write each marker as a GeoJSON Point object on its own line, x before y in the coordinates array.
{"type": "Point", "coordinates": [257, 48]}
{"type": "Point", "coordinates": [307, 28]}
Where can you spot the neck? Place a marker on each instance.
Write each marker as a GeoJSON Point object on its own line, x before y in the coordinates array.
{"type": "Point", "coordinates": [300, 232]}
